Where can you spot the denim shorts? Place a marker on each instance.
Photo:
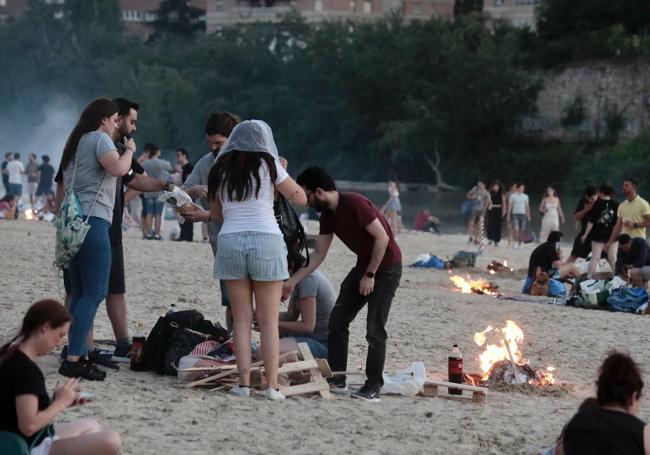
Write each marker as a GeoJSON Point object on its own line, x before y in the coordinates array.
{"type": "Point", "coordinates": [154, 207]}
{"type": "Point", "coordinates": [518, 221]}
{"type": "Point", "coordinates": [255, 255]}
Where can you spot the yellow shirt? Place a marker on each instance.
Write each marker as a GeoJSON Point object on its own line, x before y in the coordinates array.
{"type": "Point", "coordinates": [634, 211]}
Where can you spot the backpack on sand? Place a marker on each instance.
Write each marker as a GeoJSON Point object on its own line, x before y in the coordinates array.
{"type": "Point", "coordinates": [71, 226]}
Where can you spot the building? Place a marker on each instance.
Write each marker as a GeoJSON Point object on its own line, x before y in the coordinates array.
{"type": "Point", "coordinates": [227, 12]}
{"type": "Point", "coordinates": [520, 13]}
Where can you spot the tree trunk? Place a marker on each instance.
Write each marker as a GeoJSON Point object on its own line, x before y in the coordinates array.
{"type": "Point", "coordinates": [435, 167]}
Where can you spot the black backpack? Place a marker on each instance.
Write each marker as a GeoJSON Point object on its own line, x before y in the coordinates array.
{"type": "Point", "coordinates": [292, 231]}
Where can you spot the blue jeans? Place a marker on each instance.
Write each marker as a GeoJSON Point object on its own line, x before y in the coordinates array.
{"type": "Point", "coordinates": [89, 272]}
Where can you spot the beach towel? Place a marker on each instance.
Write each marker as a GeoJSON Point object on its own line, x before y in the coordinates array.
{"type": "Point", "coordinates": [429, 261]}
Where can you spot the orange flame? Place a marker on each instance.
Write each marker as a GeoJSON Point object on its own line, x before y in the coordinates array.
{"type": "Point", "coordinates": [29, 214]}
{"type": "Point", "coordinates": [493, 353]}
{"type": "Point", "coordinates": [467, 286]}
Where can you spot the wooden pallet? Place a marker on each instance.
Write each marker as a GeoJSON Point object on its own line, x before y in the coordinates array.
{"type": "Point", "coordinates": [479, 394]}
{"type": "Point", "coordinates": [301, 361]}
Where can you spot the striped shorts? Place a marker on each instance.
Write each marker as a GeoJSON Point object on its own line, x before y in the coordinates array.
{"type": "Point", "coordinates": [256, 255]}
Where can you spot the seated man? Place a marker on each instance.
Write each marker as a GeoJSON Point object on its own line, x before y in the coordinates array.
{"type": "Point", "coordinates": [547, 257]}
{"type": "Point", "coordinates": [307, 317]}
{"type": "Point", "coordinates": [633, 260]}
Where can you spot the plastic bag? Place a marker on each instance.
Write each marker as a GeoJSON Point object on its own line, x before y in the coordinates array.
{"type": "Point", "coordinates": [408, 382]}
{"type": "Point", "coordinates": [177, 198]}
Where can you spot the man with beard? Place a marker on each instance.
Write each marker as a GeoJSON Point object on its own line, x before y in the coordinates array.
{"type": "Point", "coordinates": [373, 280]}
{"type": "Point", "coordinates": [217, 130]}
{"type": "Point", "coordinates": [135, 179]}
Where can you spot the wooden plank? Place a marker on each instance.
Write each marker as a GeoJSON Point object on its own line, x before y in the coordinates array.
{"type": "Point", "coordinates": [430, 390]}
{"type": "Point", "coordinates": [324, 368]}
{"type": "Point", "coordinates": [453, 385]}
{"type": "Point", "coordinates": [309, 387]}
{"type": "Point", "coordinates": [295, 367]}
{"type": "Point", "coordinates": [315, 373]}
{"type": "Point", "coordinates": [233, 371]}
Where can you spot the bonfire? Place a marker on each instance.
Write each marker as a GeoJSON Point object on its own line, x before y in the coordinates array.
{"type": "Point", "coordinates": [503, 362]}
{"type": "Point", "coordinates": [469, 286]}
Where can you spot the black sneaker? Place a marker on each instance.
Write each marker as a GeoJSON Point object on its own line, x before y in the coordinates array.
{"type": "Point", "coordinates": [99, 358]}
{"type": "Point", "coordinates": [81, 369]}
{"type": "Point", "coordinates": [367, 394]}
{"type": "Point", "coordinates": [338, 387]}
{"type": "Point", "coordinates": [122, 351]}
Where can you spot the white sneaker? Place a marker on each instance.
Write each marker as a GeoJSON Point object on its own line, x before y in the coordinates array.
{"type": "Point", "coordinates": [240, 391]}
{"type": "Point", "coordinates": [273, 394]}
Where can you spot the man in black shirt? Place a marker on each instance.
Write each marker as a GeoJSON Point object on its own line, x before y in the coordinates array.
{"type": "Point", "coordinates": [547, 257]}
{"type": "Point", "coordinates": [182, 158]}
{"type": "Point", "coordinates": [633, 260]}
{"type": "Point", "coordinates": [5, 175]}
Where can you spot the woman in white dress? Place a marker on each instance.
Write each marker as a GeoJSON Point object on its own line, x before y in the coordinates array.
{"type": "Point", "coordinates": [552, 214]}
{"type": "Point", "coordinates": [393, 207]}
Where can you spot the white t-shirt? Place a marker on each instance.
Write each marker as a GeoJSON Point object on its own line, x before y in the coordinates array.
{"type": "Point", "coordinates": [518, 202]}
{"type": "Point", "coordinates": [254, 214]}
{"type": "Point", "coordinates": [15, 169]}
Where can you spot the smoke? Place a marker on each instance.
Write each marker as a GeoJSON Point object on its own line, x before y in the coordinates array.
{"type": "Point", "coordinates": [42, 131]}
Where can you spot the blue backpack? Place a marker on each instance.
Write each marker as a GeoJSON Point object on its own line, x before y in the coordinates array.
{"type": "Point", "coordinates": [627, 300]}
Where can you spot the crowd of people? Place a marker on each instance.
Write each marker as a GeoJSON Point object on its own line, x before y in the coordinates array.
{"type": "Point", "coordinates": [608, 229]}
{"type": "Point", "coordinates": [234, 187]}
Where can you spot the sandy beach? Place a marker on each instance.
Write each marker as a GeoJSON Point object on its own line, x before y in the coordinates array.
{"type": "Point", "coordinates": [154, 415]}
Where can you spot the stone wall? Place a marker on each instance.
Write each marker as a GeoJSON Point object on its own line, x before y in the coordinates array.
{"type": "Point", "coordinates": [604, 87]}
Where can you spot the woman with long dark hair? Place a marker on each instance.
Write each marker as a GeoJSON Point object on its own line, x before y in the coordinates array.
{"type": "Point", "coordinates": [612, 428]}
{"type": "Point", "coordinates": [25, 406]}
{"type": "Point", "coordinates": [251, 254]}
{"type": "Point", "coordinates": [496, 212]}
{"type": "Point", "coordinates": [90, 165]}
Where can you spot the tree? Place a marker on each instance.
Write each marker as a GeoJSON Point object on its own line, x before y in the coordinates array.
{"type": "Point", "coordinates": [467, 7]}
{"type": "Point", "coordinates": [178, 18]}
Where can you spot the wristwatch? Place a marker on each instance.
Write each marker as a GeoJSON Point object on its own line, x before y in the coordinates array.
{"type": "Point", "coordinates": [370, 274]}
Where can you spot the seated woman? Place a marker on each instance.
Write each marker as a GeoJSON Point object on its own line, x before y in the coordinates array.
{"type": "Point", "coordinates": [307, 317]}
{"type": "Point", "coordinates": [25, 406]}
{"type": "Point", "coordinates": [612, 428]}
{"type": "Point", "coordinates": [8, 207]}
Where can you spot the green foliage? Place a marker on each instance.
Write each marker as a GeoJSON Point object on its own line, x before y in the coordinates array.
{"type": "Point", "coordinates": [574, 114]}
{"type": "Point", "coordinates": [614, 123]}
{"type": "Point", "coordinates": [467, 7]}
{"type": "Point", "coordinates": [568, 31]}
{"type": "Point", "coordinates": [177, 18]}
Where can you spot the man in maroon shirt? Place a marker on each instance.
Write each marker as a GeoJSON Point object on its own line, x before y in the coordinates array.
{"type": "Point", "coordinates": [373, 280]}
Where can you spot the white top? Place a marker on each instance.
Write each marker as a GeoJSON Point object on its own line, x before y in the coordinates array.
{"type": "Point", "coordinates": [254, 214]}
{"type": "Point", "coordinates": [15, 169]}
{"type": "Point", "coordinates": [518, 202]}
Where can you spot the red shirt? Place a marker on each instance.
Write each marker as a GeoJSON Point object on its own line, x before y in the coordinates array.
{"type": "Point", "coordinates": [353, 214]}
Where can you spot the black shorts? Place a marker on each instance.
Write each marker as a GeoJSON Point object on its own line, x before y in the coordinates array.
{"type": "Point", "coordinates": [581, 250]}
{"type": "Point", "coordinates": [116, 281]}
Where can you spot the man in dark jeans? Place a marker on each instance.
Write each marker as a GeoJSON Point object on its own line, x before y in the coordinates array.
{"type": "Point", "coordinates": [373, 280]}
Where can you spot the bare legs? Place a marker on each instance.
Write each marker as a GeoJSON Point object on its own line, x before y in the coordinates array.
{"type": "Point", "coordinates": [83, 437]}
{"type": "Point", "coordinates": [596, 252]}
{"type": "Point", "coordinates": [267, 300]}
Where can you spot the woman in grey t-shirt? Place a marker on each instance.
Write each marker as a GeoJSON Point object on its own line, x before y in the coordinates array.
{"type": "Point", "coordinates": [90, 165]}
